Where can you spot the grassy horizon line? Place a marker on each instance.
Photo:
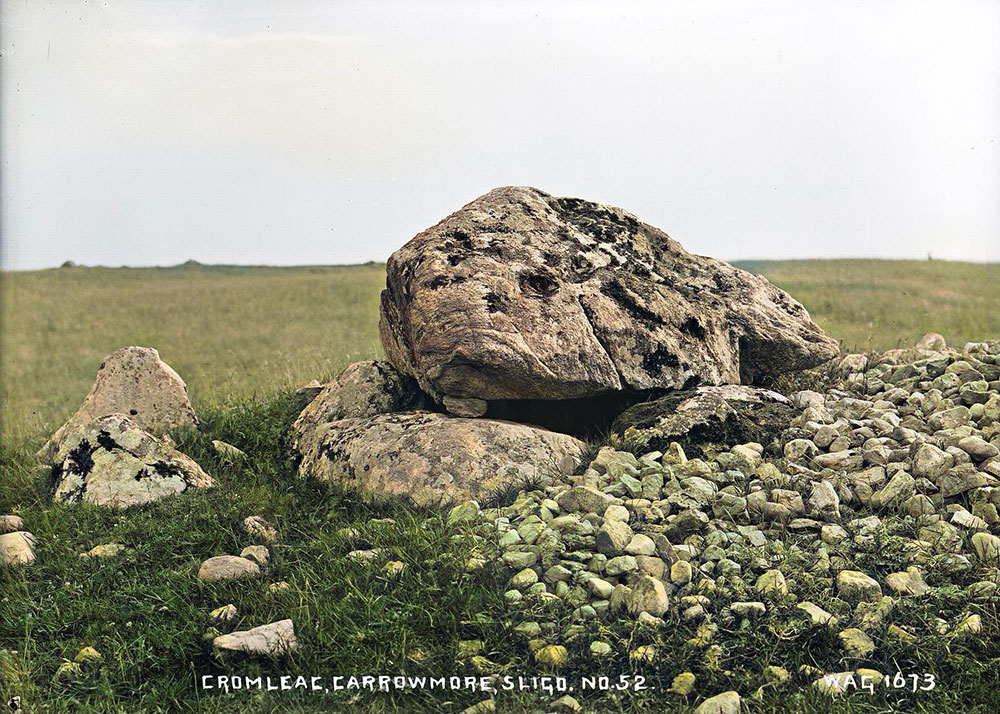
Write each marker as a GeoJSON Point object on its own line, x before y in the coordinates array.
{"type": "Point", "coordinates": [739, 262]}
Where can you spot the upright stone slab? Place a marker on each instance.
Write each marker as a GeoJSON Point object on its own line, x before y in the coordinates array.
{"type": "Point", "coordinates": [133, 381]}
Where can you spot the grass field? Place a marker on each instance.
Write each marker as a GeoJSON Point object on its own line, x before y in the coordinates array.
{"type": "Point", "coordinates": [235, 332]}
{"type": "Point", "coordinates": [241, 338]}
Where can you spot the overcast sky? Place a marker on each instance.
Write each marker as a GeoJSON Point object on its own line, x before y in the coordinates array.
{"type": "Point", "coordinates": [147, 133]}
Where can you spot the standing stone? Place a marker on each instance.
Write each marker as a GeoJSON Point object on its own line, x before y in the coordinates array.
{"type": "Point", "coordinates": [133, 381]}
{"type": "Point", "coordinates": [520, 295]}
{"type": "Point", "coordinates": [112, 462]}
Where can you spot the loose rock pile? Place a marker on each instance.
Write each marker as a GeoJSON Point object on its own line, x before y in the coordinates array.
{"type": "Point", "coordinates": [896, 464]}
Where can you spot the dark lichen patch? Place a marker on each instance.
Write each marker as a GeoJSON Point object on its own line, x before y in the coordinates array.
{"type": "Point", "coordinates": [654, 362]}
{"type": "Point", "coordinates": [693, 327]}
{"type": "Point", "coordinates": [723, 283]}
{"type": "Point", "coordinates": [494, 302]}
{"type": "Point", "coordinates": [167, 469]}
{"type": "Point", "coordinates": [80, 460]}
{"type": "Point", "coordinates": [617, 292]}
{"type": "Point", "coordinates": [440, 281]}
{"type": "Point", "coordinates": [581, 268]}
{"type": "Point", "coordinates": [538, 282]}
{"type": "Point", "coordinates": [691, 382]}
{"type": "Point", "coordinates": [528, 210]}
{"type": "Point", "coordinates": [596, 221]}
{"type": "Point", "coordinates": [105, 441]}
{"type": "Point", "coordinates": [461, 239]}
{"type": "Point", "coordinates": [141, 474]}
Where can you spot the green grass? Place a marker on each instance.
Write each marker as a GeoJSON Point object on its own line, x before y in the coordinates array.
{"type": "Point", "coordinates": [242, 337]}
{"type": "Point", "coordinates": [230, 332]}
{"type": "Point", "coordinates": [146, 612]}
{"type": "Point", "coordinates": [881, 304]}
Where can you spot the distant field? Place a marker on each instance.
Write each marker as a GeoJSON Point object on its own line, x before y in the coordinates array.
{"type": "Point", "coordinates": [233, 332]}
{"type": "Point", "coordinates": [230, 332]}
{"type": "Point", "coordinates": [878, 304]}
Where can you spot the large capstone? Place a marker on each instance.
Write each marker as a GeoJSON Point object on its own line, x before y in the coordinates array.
{"type": "Point", "coordinates": [133, 381]}
{"type": "Point", "coordinates": [434, 458]}
{"type": "Point", "coordinates": [112, 462]}
{"type": "Point", "coordinates": [521, 295]}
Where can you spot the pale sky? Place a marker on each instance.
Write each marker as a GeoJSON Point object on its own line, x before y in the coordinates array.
{"type": "Point", "coordinates": [148, 133]}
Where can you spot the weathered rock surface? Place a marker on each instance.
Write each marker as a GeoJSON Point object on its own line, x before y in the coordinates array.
{"type": "Point", "coordinates": [434, 458]}
{"type": "Point", "coordinates": [521, 295]}
{"type": "Point", "coordinates": [112, 462]}
{"type": "Point", "coordinates": [227, 567]}
{"type": "Point", "coordinates": [16, 548]}
{"type": "Point", "coordinates": [11, 523]}
{"type": "Point", "coordinates": [258, 528]}
{"type": "Point", "coordinates": [364, 389]}
{"type": "Point", "coordinates": [136, 382]}
{"type": "Point", "coordinates": [722, 415]}
{"type": "Point", "coordinates": [272, 639]}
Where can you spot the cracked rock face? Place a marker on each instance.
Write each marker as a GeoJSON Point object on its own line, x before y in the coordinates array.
{"type": "Point", "coordinates": [435, 458]}
{"type": "Point", "coordinates": [521, 295]}
{"type": "Point", "coordinates": [133, 381]}
{"type": "Point", "coordinates": [112, 462]}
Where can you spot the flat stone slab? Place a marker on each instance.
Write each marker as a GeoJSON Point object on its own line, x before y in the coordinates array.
{"type": "Point", "coordinates": [434, 458]}
{"type": "Point", "coordinates": [276, 638]}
